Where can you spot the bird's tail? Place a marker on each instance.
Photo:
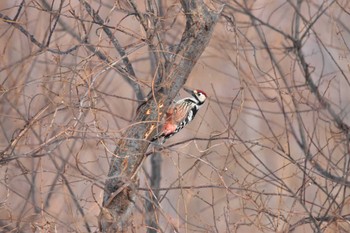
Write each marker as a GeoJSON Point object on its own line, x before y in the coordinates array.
{"type": "Point", "coordinates": [159, 136]}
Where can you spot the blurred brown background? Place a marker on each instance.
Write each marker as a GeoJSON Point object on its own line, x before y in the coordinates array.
{"type": "Point", "coordinates": [270, 149]}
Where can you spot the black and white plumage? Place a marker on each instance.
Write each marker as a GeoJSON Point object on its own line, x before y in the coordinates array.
{"type": "Point", "coordinates": [180, 114]}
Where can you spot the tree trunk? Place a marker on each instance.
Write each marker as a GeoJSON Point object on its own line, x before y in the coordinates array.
{"type": "Point", "coordinates": [121, 184]}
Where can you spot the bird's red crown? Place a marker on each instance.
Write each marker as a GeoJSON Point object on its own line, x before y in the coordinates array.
{"type": "Point", "coordinates": [200, 91]}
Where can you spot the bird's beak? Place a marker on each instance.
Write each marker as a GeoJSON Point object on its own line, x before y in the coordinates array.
{"type": "Point", "coordinates": [188, 90]}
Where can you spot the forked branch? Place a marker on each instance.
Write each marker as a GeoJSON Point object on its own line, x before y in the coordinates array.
{"type": "Point", "coordinates": [130, 152]}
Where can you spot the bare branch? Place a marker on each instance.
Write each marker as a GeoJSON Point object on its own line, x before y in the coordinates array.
{"type": "Point", "coordinates": [16, 25]}
{"type": "Point", "coordinates": [129, 154]}
{"type": "Point", "coordinates": [129, 69]}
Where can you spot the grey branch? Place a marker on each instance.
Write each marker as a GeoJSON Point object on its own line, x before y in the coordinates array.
{"type": "Point", "coordinates": [120, 186]}
{"type": "Point", "coordinates": [130, 73]}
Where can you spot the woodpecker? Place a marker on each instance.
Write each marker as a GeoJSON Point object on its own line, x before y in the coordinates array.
{"type": "Point", "coordinates": [180, 114]}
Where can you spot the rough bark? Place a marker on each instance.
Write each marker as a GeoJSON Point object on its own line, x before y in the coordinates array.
{"type": "Point", "coordinates": [120, 186]}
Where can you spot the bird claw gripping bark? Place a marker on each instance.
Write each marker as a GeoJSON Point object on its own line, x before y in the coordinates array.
{"type": "Point", "coordinates": [180, 114]}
